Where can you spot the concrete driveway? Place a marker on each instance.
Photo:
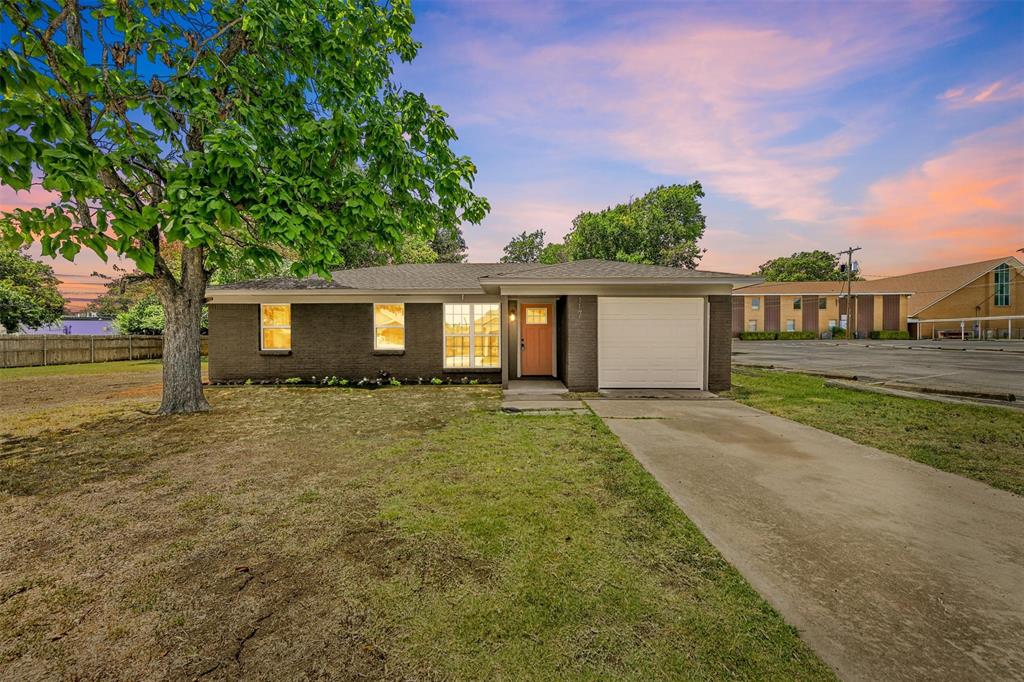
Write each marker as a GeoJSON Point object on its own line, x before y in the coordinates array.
{"type": "Point", "coordinates": [890, 569]}
{"type": "Point", "coordinates": [986, 366]}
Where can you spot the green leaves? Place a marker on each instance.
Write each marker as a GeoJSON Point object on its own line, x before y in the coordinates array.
{"type": "Point", "coordinates": [662, 227]}
{"type": "Point", "coordinates": [28, 292]}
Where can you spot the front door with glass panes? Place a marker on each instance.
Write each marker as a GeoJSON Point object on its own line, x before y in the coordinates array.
{"type": "Point", "coordinates": [536, 337]}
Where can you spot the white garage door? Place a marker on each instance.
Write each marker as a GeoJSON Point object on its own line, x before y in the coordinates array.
{"type": "Point", "coordinates": [650, 342]}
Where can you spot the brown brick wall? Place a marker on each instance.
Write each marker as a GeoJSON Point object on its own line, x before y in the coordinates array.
{"type": "Point", "coordinates": [719, 343]}
{"type": "Point", "coordinates": [580, 359]}
{"type": "Point", "coordinates": [333, 339]}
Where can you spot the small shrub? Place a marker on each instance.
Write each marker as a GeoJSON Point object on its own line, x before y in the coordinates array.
{"type": "Point", "coordinates": [474, 382]}
{"type": "Point", "coordinates": [293, 380]}
{"type": "Point", "coordinates": [758, 336]}
{"type": "Point", "coordinates": [796, 336]}
{"type": "Point", "coordinates": [394, 382]}
{"type": "Point", "coordinates": [436, 382]}
{"type": "Point", "coordinates": [891, 335]}
{"type": "Point", "coordinates": [837, 332]}
{"type": "Point", "coordinates": [248, 382]}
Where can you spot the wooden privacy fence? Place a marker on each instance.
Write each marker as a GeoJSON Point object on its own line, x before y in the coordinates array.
{"type": "Point", "coordinates": [68, 349]}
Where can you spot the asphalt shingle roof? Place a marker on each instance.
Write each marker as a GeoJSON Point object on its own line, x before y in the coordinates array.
{"type": "Point", "coordinates": [606, 269]}
{"type": "Point", "coordinates": [468, 276]}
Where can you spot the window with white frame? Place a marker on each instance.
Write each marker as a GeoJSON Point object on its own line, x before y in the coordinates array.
{"type": "Point", "coordinates": [790, 325]}
{"type": "Point", "coordinates": [751, 325]}
{"type": "Point", "coordinates": [832, 324]}
{"type": "Point", "coordinates": [755, 303]}
{"type": "Point", "coordinates": [275, 326]}
{"type": "Point", "coordinates": [472, 335]}
{"type": "Point", "coordinates": [1003, 285]}
{"type": "Point", "coordinates": [389, 326]}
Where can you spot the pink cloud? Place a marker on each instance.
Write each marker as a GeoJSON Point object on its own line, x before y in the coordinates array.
{"type": "Point", "coordinates": [1005, 90]}
{"type": "Point", "coordinates": [967, 204]}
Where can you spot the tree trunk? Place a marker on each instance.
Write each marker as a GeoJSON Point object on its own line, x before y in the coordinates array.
{"type": "Point", "coordinates": [183, 310]}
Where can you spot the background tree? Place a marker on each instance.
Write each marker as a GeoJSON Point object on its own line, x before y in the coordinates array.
{"type": "Point", "coordinates": [225, 127]}
{"type": "Point", "coordinates": [553, 253]}
{"type": "Point", "coordinates": [660, 228]}
{"type": "Point", "coordinates": [28, 292]}
{"type": "Point", "coordinates": [449, 244]}
{"type": "Point", "coordinates": [805, 266]}
{"type": "Point", "coordinates": [525, 247]}
{"type": "Point", "coordinates": [146, 317]}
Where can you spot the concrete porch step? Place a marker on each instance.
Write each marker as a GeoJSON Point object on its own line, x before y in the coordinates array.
{"type": "Point", "coordinates": [556, 405]}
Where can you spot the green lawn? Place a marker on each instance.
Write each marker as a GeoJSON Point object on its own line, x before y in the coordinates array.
{"type": "Point", "coordinates": [412, 533]}
{"type": "Point", "coordinates": [980, 442]}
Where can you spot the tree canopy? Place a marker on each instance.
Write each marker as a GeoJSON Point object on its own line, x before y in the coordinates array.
{"type": "Point", "coordinates": [525, 247]}
{"type": "Point", "coordinates": [660, 228]}
{"type": "Point", "coordinates": [805, 266]}
{"type": "Point", "coordinates": [235, 129]}
{"type": "Point", "coordinates": [28, 292]}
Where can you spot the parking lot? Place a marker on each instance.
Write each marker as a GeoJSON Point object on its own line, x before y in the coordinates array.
{"type": "Point", "coordinates": [985, 366]}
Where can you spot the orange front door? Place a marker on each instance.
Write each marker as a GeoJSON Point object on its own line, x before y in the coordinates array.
{"type": "Point", "coordinates": [536, 325]}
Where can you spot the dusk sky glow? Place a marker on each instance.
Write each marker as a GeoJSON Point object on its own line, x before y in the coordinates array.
{"type": "Point", "coordinates": [895, 127]}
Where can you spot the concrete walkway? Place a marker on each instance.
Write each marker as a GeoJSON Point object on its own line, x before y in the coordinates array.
{"type": "Point", "coordinates": [539, 396]}
{"type": "Point", "coordinates": [890, 569]}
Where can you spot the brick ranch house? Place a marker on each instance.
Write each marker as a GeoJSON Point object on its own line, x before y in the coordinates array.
{"type": "Point", "coordinates": [592, 324]}
{"type": "Point", "coordinates": [988, 296]}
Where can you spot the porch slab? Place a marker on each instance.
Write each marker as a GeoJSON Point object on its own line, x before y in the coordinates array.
{"type": "Point", "coordinates": [655, 394]}
{"type": "Point", "coordinates": [535, 387]}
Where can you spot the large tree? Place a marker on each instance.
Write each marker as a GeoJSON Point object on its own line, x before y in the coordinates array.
{"type": "Point", "coordinates": [805, 266]}
{"type": "Point", "coordinates": [226, 127]}
{"type": "Point", "coordinates": [525, 247]}
{"type": "Point", "coordinates": [28, 292]}
{"type": "Point", "coordinates": [660, 228]}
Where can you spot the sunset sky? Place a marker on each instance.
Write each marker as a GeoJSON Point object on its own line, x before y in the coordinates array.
{"type": "Point", "coordinates": [895, 127]}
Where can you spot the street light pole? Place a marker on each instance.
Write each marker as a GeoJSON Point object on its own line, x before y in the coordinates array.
{"type": "Point", "coordinates": [849, 288]}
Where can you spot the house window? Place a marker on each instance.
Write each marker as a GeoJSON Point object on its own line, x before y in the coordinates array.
{"type": "Point", "coordinates": [1003, 285]}
{"type": "Point", "coordinates": [275, 326]}
{"type": "Point", "coordinates": [472, 335]}
{"type": "Point", "coordinates": [752, 326]}
{"type": "Point", "coordinates": [790, 325]}
{"type": "Point", "coordinates": [755, 303]}
{"type": "Point", "coordinates": [389, 326]}
{"type": "Point", "coordinates": [822, 303]}
{"type": "Point", "coordinates": [831, 324]}
{"type": "Point", "coordinates": [797, 303]}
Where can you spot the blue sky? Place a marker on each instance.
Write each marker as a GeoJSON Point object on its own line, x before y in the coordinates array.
{"type": "Point", "coordinates": [894, 126]}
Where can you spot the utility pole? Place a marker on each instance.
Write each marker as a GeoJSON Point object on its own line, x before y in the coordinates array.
{"type": "Point", "coordinates": [849, 288]}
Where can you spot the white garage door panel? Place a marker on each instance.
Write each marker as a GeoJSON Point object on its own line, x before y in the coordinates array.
{"type": "Point", "coordinates": [650, 342]}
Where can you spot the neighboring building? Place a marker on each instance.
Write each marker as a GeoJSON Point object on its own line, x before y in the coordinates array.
{"type": "Point", "coordinates": [988, 297]}
{"type": "Point", "coordinates": [593, 324]}
{"type": "Point", "coordinates": [77, 324]}
{"type": "Point", "coordinates": [819, 307]}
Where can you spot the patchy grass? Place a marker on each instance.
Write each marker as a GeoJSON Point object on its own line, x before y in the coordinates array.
{"type": "Point", "coordinates": [339, 533]}
{"type": "Point", "coordinates": [88, 368]}
{"type": "Point", "coordinates": [980, 442]}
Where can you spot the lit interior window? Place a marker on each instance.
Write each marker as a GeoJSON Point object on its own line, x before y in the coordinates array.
{"type": "Point", "coordinates": [472, 335]}
{"type": "Point", "coordinates": [389, 326]}
{"type": "Point", "coordinates": [276, 326]}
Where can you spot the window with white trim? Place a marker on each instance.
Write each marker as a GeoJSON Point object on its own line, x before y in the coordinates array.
{"type": "Point", "coordinates": [389, 326]}
{"type": "Point", "coordinates": [790, 325]}
{"type": "Point", "coordinates": [755, 303]}
{"type": "Point", "coordinates": [1003, 285]}
{"type": "Point", "coordinates": [275, 326]}
{"type": "Point", "coordinates": [751, 325]}
{"type": "Point", "coordinates": [472, 335]}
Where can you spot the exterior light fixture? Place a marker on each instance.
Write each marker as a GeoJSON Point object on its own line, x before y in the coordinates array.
{"type": "Point", "coordinates": [511, 316]}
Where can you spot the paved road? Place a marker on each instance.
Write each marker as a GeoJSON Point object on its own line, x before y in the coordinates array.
{"type": "Point", "coordinates": [890, 569]}
{"type": "Point", "coordinates": [979, 366]}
